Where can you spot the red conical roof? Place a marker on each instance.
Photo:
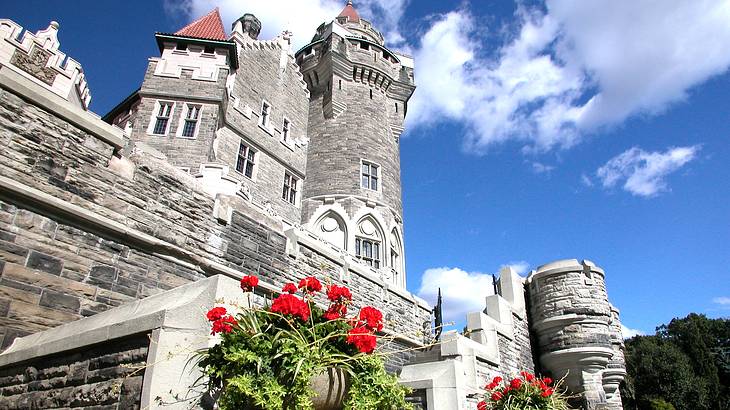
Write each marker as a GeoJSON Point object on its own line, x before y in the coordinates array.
{"type": "Point", "coordinates": [350, 12]}
{"type": "Point", "coordinates": [209, 27]}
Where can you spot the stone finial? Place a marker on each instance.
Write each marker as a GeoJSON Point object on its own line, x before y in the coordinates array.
{"type": "Point", "coordinates": [49, 36]}
{"type": "Point", "coordinates": [248, 25]}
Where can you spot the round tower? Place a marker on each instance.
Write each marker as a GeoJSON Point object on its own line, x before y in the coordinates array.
{"type": "Point", "coordinates": [571, 317]}
{"type": "Point", "coordinates": [359, 90]}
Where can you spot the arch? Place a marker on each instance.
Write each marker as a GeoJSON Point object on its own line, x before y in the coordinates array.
{"type": "Point", "coordinates": [370, 242]}
{"type": "Point", "coordinates": [396, 258]}
{"type": "Point", "coordinates": [331, 226]}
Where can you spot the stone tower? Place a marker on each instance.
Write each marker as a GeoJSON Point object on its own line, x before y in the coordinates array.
{"type": "Point", "coordinates": [578, 331]}
{"type": "Point", "coordinates": [359, 95]}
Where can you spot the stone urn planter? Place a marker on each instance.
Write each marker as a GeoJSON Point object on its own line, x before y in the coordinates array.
{"type": "Point", "coordinates": [331, 388]}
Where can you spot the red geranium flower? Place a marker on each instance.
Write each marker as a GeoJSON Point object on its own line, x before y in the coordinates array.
{"type": "Point", "coordinates": [338, 293]}
{"type": "Point", "coordinates": [287, 304]}
{"type": "Point", "coordinates": [371, 318]}
{"type": "Point", "coordinates": [310, 284]}
{"type": "Point", "coordinates": [216, 313]}
{"type": "Point", "coordinates": [223, 325]}
{"type": "Point", "coordinates": [496, 396]}
{"type": "Point", "coordinates": [482, 405]}
{"type": "Point", "coordinates": [547, 392]}
{"type": "Point", "coordinates": [335, 311]}
{"type": "Point", "coordinates": [515, 383]}
{"type": "Point", "coordinates": [362, 338]}
{"type": "Point", "coordinates": [547, 380]}
{"type": "Point", "coordinates": [249, 282]}
{"type": "Point", "coordinates": [496, 380]}
{"type": "Point", "coordinates": [289, 288]}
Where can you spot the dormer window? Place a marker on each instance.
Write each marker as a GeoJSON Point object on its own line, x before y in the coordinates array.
{"type": "Point", "coordinates": [370, 175]}
{"type": "Point", "coordinates": [285, 130]}
{"type": "Point", "coordinates": [265, 114]}
{"type": "Point", "coordinates": [162, 119]}
{"type": "Point", "coordinates": [190, 125]}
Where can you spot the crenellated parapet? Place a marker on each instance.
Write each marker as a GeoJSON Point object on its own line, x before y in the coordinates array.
{"type": "Point", "coordinates": [38, 57]}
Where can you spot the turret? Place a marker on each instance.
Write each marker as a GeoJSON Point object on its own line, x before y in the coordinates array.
{"type": "Point", "coordinates": [359, 94]}
{"type": "Point", "coordinates": [572, 318]}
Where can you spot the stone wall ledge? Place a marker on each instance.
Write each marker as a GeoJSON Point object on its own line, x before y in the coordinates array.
{"type": "Point", "coordinates": [180, 308]}
{"type": "Point", "coordinates": [44, 98]}
{"type": "Point", "coordinates": [566, 320]}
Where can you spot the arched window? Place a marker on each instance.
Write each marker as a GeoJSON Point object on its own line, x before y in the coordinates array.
{"type": "Point", "coordinates": [333, 229]}
{"type": "Point", "coordinates": [369, 242]}
{"type": "Point", "coordinates": [396, 257]}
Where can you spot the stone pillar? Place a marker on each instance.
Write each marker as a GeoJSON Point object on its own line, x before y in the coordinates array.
{"type": "Point", "coordinates": [571, 318]}
{"type": "Point", "coordinates": [616, 370]}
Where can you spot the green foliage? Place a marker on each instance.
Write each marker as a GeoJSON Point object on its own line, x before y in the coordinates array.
{"type": "Point", "coordinates": [659, 404]}
{"type": "Point", "coordinates": [373, 388]}
{"type": "Point", "coordinates": [268, 360]}
{"type": "Point", "coordinates": [685, 365]}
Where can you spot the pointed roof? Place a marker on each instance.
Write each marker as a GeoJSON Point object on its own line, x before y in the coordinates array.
{"type": "Point", "coordinates": [209, 27]}
{"type": "Point", "coordinates": [350, 12]}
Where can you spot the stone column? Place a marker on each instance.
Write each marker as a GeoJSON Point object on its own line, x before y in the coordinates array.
{"type": "Point", "coordinates": [571, 317]}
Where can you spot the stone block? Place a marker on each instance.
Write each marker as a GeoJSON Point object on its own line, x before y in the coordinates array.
{"type": "Point", "coordinates": [45, 263]}
{"type": "Point", "coordinates": [60, 301]}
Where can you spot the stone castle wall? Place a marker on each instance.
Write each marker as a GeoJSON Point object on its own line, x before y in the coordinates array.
{"type": "Point", "coordinates": [84, 230]}
{"type": "Point", "coordinates": [107, 376]}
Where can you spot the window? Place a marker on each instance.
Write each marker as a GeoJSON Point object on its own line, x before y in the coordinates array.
{"type": "Point", "coordinates": [285, 129]}
{"type": "Point", "coordinates": [370, 176]}
{"type": "Point", "coordinates": [245, 161]}
{"type": "Point", "coordinates": [289, 194]}
{"type": "Point", "coordinates": [190, 126]}
{"type": "Point", "coordinates": [209, 50]}
{"type": "Point", "coordinates": [265, 113]}
{"type": "Point", "coordinates": [164, 110]}
{"type": "Point", "coordinates": [368, 251]}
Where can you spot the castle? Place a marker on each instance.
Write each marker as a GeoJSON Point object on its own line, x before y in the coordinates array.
{"type": "Point", "coordinates": [238, 155]}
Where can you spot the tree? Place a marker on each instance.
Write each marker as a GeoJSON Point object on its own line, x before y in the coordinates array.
{"type": "Point", "coordinates": [686, 364]}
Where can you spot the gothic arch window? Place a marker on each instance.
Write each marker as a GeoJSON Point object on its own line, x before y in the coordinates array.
{"type": "Point", "coordinates": [332, 228]}
{"type": "Point", "coordinates": [395, 258]}
{"type": "Point", "coordinates": [369, 242]}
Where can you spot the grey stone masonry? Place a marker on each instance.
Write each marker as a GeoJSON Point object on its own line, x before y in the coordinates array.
{"type": "Point", "coordinates": [267, 74]}
{"type": "Point", "coordinates": [83, 229]}
{"type": "Point", "coordinates": [208, 95]}
{"type": "Point", "coordinates": [572, 320]}
{"type": "Point", "coordinates": [107, 376]}
{"type": "Point", "coordinates": [356, 88]}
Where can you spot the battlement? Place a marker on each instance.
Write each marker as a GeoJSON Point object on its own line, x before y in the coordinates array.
{"type": "Point", "coordinates": [37, 57]}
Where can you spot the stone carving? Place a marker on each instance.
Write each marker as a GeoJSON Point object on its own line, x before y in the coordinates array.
{"type": "Point", "coordinates": [35, 64]}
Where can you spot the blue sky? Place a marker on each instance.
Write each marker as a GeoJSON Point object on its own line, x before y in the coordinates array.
{"type": "Point", "coordinates": [539, 131]}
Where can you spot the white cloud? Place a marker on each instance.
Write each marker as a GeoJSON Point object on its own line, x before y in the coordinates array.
{"type": "Point", "coordinates": [723, 301]}
{"type": "Point", "coordinates": [643, 173]}
{"type": "Point", "coordinates": [569, 71]}
{"type": "Point", "coordinates": [301, 17]}
{"type": "Point", "coordinates": [586, 180]}
{"type": "Point", "coordinates": [462, 291]}
{"type": "Point", "coordinates": [520, 267]}
{"type": "Point", "coordinates": [540, 168]}
{"type": "Point", "coordinates": [628, 333]}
